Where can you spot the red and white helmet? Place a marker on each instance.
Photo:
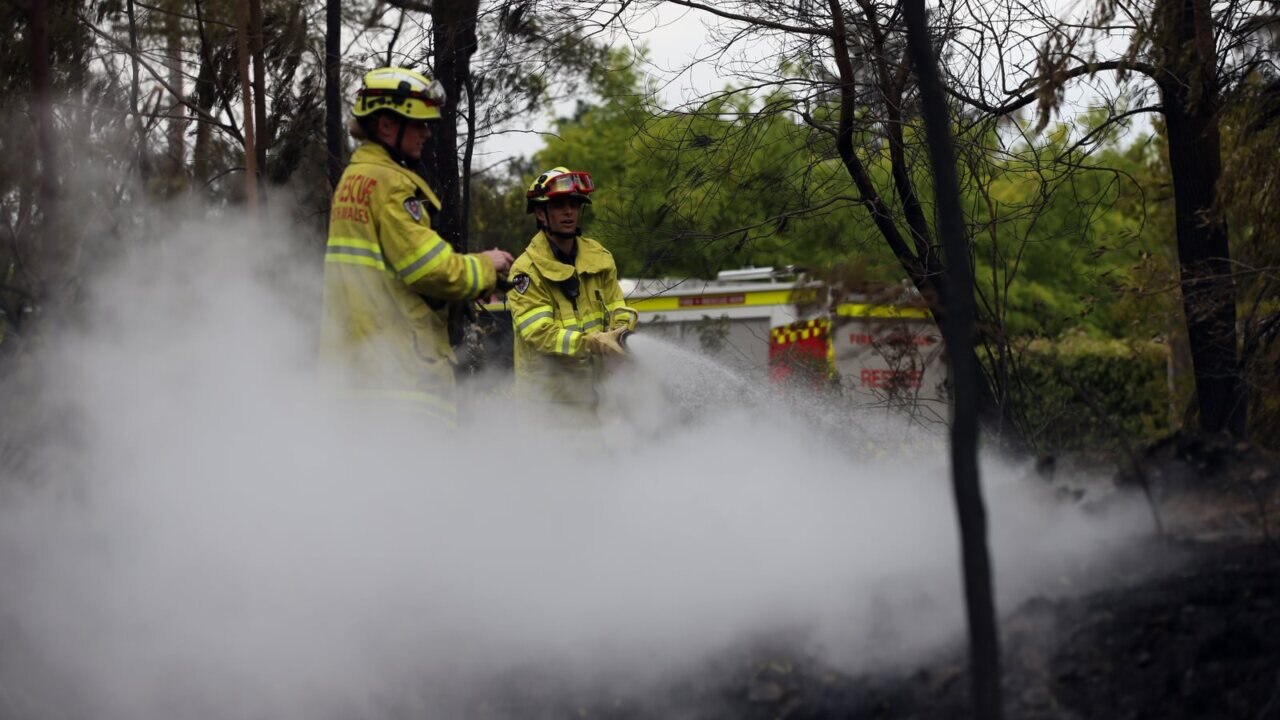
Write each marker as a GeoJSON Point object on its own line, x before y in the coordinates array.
{"type": "Point", "coordinates": [559, 182]}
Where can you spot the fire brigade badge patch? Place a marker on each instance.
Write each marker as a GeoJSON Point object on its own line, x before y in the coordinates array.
{"type": "Point", "coordinates": [415, 209]}
{"type": "Point", "coordinates": [521, 283]}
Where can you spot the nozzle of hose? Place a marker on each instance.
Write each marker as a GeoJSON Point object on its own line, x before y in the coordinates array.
{"type": "Point", "coordinates": [622, 337]}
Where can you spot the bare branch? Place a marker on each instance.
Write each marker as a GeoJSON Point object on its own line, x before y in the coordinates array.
{"type": "Point", "coordinates": [184, 16]}
{"type": "Point", "coordinates": [799, 29]}
{"type": "Point", "coordinates": [1034, 83]}
{"type": "Point", "coordinates": [160, 79]}
{"type": "Point", "coordinates": [424, 6]}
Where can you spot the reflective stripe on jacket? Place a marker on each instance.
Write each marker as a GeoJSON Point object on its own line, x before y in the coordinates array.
{"type": "Point", "coordinates": [379, 337]}
{"type": "Point", "coordinates": [550, 356]}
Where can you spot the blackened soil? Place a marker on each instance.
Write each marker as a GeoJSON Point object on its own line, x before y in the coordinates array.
{"type": "Point", "coordinates": [1198, 637]}
{"type": "Point", "coordinates": [1202, 642]}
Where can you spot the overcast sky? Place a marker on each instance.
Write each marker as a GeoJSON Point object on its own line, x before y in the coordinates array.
{"type": "Point", "coordinates": [674, 37]}
{"type": "Point", "coordinates": [676, 41]}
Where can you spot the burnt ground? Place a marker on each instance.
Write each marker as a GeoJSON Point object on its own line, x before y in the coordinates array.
{"type": "Point", "coordinates": [1197, 639]}
{"type": "Point", "coordinates": [1200, 642]}
{"type": "Point", "coordinates": [1193, 635]}
{"type": "Point", "coordinates": [1188, 627]}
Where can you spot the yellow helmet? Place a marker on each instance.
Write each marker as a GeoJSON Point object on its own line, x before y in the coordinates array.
{"type": "Point", "coordinates": [556, 182]}
{"type": "Point", "coordinates": [406, 93]}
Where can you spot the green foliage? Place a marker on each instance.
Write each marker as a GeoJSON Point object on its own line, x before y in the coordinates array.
{"type": "Point", "coordinates": [730, 185]}
{"type": "Point", "coordinates": [1072, 232]}
{"type": "Point", "coordinates": [1067, 240]}
{"type": "Point", "coordinates": [1080, 392]}
{"type": "Point", "coordinates": [1061, 236]}
{"type": "Point", "coordinates": [497, 213]}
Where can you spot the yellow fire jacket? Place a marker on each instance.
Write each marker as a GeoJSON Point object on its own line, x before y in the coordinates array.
{"type": "Point", "coordinates": [387, 278]}
{"type": "Point", "coordinates": [550, 356]}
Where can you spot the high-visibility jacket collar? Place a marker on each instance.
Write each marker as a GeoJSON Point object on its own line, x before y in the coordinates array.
{"type": "Point", "coordinates": [375, 154]}
{"type": "Point", "coordinates": [591, 258]}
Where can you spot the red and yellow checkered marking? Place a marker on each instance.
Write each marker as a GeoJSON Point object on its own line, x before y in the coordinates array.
{"type": "Point", "coordinates": [809, 339]}
{"type": "Point", "coordinates": [801, 331]}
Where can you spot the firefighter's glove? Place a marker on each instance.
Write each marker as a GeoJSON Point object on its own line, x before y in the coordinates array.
{"type": "Point", "coordinates": [606, 344]}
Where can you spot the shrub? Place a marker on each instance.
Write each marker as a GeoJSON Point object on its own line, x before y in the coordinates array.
{"type": "Point", "coordinates": [1081, 393]}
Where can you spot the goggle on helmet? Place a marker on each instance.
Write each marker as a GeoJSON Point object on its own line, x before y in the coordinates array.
{"type": "Point", "coordinates": [409, 94]}
{"type": "Point", "coordinates": [557, 182]}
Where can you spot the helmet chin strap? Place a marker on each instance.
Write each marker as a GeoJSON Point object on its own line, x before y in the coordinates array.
{"type": "Point", "coordinates": [400, 133]}
{"type": "Point", "coordinates": [397, 155]}
{"type": "Point", "coordinates": [577, 231]}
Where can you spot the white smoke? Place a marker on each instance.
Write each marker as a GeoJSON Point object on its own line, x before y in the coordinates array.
{"type": "Point", "coordinates": [209, 539]}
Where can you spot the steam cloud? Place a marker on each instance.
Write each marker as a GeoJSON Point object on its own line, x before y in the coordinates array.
{"type": "Point", "coordinates": [206, 538]}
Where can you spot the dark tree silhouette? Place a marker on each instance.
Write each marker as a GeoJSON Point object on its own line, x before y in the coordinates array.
{"type": "Point", "coordinates": [957, 328]}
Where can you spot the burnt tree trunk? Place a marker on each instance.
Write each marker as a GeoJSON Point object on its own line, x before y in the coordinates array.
{"type": "Point", "coordinates": [262, 138]}
{"type": "Point", "coordinates": [42, 103]}
{"type": "Point", "coordinates": [48, 250]}
{"type": "Point", "coordinates": [333, 91]}
{"type": "Point", "coordinates": [250, 152]}
{"type": "Point", "coordinates": [454, 33]}
{"type": "Point", "coordinates": [1189, 91]}
{"type": "Point", "coordinates": [957, 328]}
{"type": "Point", "coordinates": [176, 124]}
{"type": "Point", "coordinates": [467, 155]}
{"type": "Point", "coordinates": [206, 97]}
{"type": "Point", "coordinates": [144, 169]}
{"type": "Point", "coordinates": [923, 267]}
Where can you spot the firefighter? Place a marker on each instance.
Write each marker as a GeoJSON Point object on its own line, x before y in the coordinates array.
{"type": "Point", "coordinates": [566, 305]}
{"type": "Point", "coordinates": [388, 275]}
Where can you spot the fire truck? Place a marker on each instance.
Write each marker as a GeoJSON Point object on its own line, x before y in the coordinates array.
{"type": "Point", "coordinates": [776, 325]}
